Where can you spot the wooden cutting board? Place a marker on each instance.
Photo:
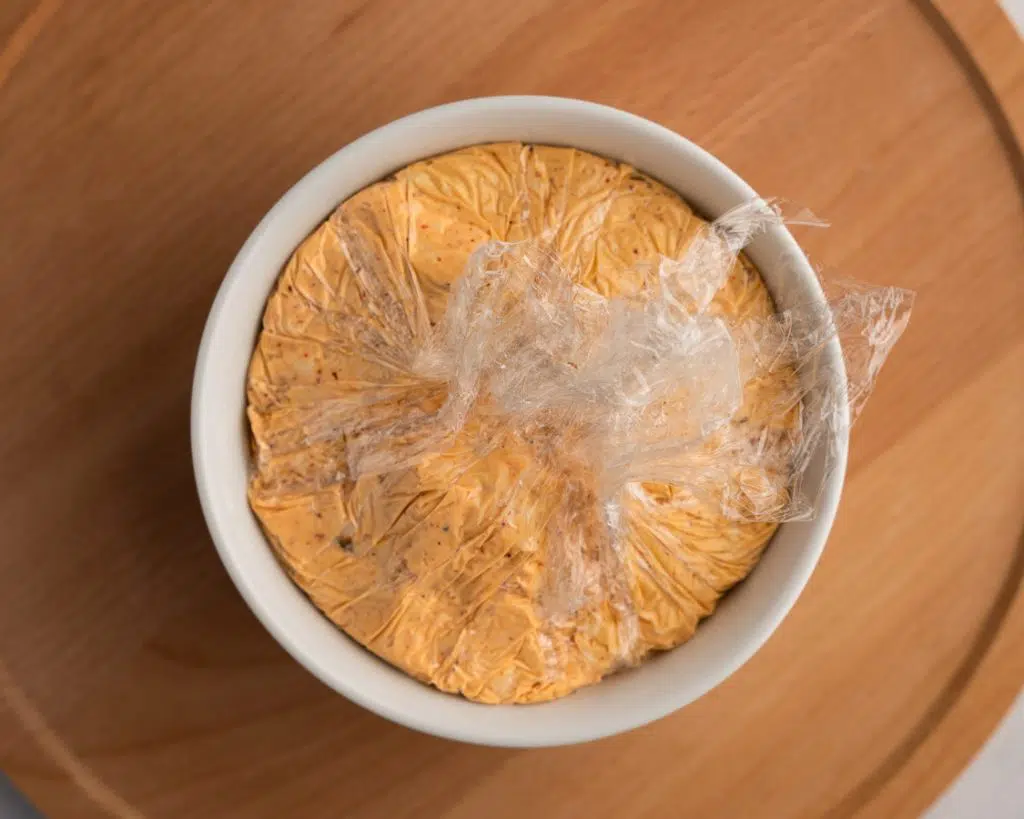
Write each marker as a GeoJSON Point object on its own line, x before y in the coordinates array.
{"type": "Point", "coordinates": [140, 142]}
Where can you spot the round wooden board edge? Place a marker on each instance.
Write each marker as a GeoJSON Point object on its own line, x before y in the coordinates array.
{"type": "Point", "coordinates": [981, 690]}
{"type": "Point", "coordinates": [989, 678]}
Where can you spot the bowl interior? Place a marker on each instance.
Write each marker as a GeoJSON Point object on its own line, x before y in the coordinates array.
{"type": "Point", "coordinates": [747, 615]}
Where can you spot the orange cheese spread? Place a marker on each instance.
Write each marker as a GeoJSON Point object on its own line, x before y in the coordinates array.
{"type": "Point", "coordinates": [445, 566]}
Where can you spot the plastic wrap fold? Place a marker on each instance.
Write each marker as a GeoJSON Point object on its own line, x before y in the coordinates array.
{"type": "Point", "coordinates": [516, 480]}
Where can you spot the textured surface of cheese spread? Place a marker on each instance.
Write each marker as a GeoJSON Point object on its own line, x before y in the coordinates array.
{"type": "Point", "coordinates": [445, 567]}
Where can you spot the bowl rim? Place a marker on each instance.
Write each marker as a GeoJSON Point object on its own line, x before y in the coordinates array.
{"type": "Point", "coordinates": [476, 729]}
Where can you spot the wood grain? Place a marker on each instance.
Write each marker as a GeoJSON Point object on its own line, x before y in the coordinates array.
{"type": "Point", "coordinates": [141, 143]}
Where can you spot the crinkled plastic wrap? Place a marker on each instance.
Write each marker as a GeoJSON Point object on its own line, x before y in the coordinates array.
{"type": "Point", "coordinates": [513, 481]}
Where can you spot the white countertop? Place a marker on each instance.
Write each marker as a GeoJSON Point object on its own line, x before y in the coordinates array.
{"type": "Point", "coordinates": [991, 787]}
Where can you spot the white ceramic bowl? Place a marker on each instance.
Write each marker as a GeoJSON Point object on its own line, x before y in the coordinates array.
{"type": "Point", "coordinates": [747, 616]}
